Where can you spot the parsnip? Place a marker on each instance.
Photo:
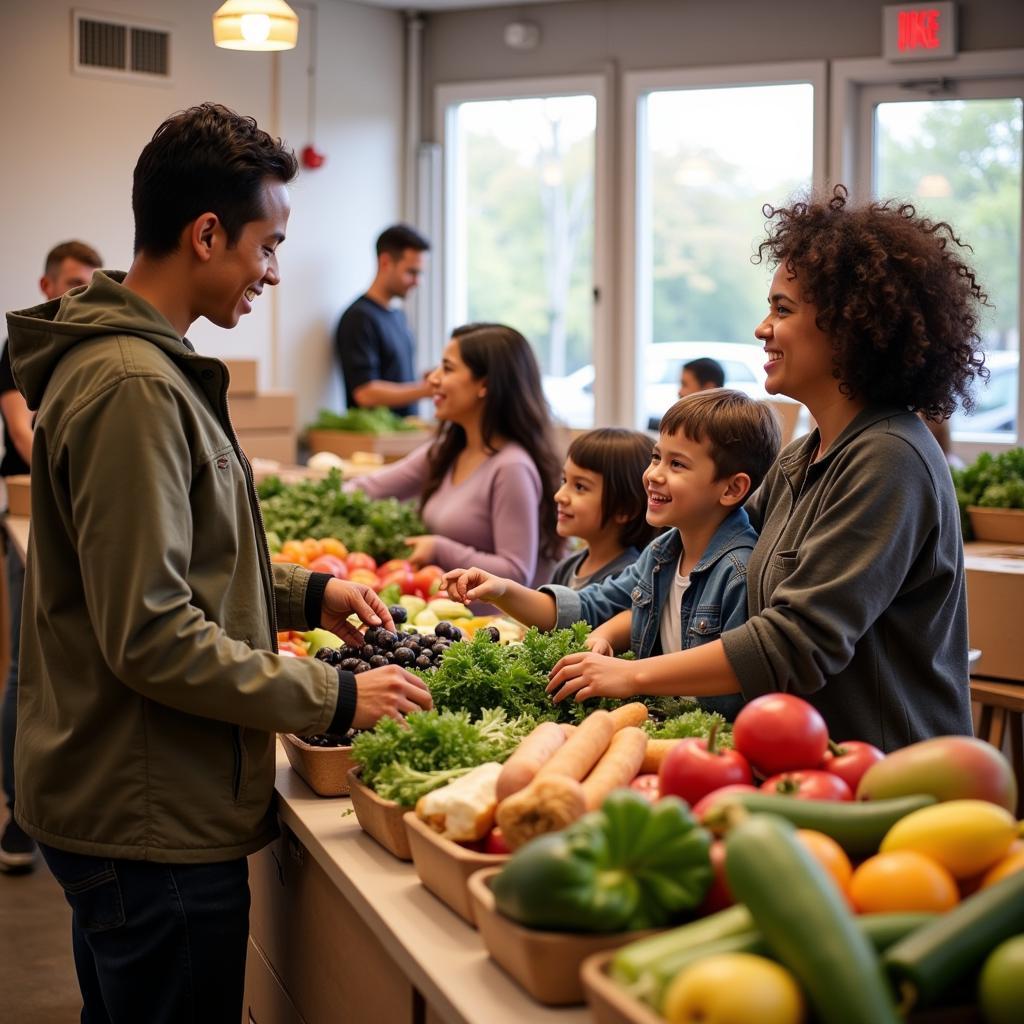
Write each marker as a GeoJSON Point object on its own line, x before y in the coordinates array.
{"type": "Point", "coordinates": [548, 804]}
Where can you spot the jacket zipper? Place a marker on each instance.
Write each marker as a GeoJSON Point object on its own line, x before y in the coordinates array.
{"type": "Point", "coordinates": [236, 734]}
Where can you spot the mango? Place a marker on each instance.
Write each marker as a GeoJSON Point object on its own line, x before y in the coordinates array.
{"type": "Point", "coordinates": [948, 768]}
{"type": "Point", "coordinates": [445, 608]}
{"type": "Point", "coordinates": [412, 604]}
{"type": "Point", "coordinates": [964, 836]}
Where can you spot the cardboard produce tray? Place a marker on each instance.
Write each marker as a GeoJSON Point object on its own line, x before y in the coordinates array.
{"type": "Point", "coordinates": [546, 964]}
{"type": "Point", "coordinates": [324, 769]}
{"type": "Point", "coordinates": [1000, 524]}
{"type": "Point", "coordinates": [380, 819]}
{"type": "Point", "coordinates": [392, 445]}
{"type": "Point", "coordinates": [445, 867]}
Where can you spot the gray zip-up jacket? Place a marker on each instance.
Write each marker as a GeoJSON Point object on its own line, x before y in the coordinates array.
{"type": "Point", "coordinates": [856, 588]}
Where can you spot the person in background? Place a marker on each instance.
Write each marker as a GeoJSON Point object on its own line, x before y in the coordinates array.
{"type": "Point", "coordinates": [856, 588]}
{"type": "Point", "coordinates": [701, 375]}
{"type": "Point", "coordinates": [150, 689]}
{"type": "Point", "coordinates": [374, 344]}
{"type": "Point", "coordinates": [68, 265]}
{"type": "Point", "coordinates": [689, 585]}
{"type": "Point", "coordinates": [602, 503]}
{"type": "Point", "coordinates": [487, 481]}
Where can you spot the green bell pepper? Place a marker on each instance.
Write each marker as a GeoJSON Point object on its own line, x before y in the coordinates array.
{"type": "Point", "coordinates": [629, 865]}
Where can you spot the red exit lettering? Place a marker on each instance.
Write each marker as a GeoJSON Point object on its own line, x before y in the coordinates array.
{"type": "Point", "coordinates": [918, 30]}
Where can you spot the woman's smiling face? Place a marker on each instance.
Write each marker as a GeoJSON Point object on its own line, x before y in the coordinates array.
{"type": "Point", "coordinates": [458, 395]}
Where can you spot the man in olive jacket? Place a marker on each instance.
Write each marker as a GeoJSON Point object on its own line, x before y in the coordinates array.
{"type": "Point", "coordinates": [149, 690]}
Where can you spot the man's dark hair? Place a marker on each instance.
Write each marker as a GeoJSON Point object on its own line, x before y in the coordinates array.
{"type": "Point", "coordinates": [706, 371]}
{"type": "Point", "coordinates": [73, 250]}
{"type": "Point", "coordinates": [204, 158]}
{"type": "Point", "coordinates": [399, 237]}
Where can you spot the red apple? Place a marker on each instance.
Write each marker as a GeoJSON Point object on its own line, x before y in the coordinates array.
{"type": "Point", "coordinates": [332, 564]}
{"type": "Point", "coordinates": [360, 560]}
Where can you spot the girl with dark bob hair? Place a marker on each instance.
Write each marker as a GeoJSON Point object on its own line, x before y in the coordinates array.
{"type": "Point", "coordinates": [486, 482]}
{"type": "Point", "coordinates": [855, 588]}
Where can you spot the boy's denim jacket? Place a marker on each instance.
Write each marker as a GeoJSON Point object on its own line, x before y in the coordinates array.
{"type": "Point", "coordinates": [716, 599]}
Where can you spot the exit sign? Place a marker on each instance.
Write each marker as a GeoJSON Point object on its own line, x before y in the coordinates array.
{"type": "Point", "coordinates": [919, 31]}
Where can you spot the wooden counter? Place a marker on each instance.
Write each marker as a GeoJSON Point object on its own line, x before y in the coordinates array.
{"type": "Point", "coordinates": [399, 954]}
{"type": "Point", "coordinates": [17, 533]}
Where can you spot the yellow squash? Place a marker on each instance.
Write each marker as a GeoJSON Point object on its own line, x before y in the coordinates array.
{"type": "Point", "coordinates": [965, 836]}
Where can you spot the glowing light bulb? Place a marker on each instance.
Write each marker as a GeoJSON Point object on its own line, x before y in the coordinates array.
{"type": "Point", "coordinates": [255, 28]}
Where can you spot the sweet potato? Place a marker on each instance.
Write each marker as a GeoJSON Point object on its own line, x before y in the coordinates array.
{"type": "Point", "coordinates": [618, 766]}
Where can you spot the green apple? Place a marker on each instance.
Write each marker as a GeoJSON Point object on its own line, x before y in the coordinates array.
{"type": "Point", "coordinates": [412, 604]}
{"type": "Point", "coordinates": [317, 638]}
{"type": "Point", "coordinates": [445, 608]}
{"type": "Point", "coordinates": [1001, 983]}
{"type": "Point", "coordinates": [426, 618]}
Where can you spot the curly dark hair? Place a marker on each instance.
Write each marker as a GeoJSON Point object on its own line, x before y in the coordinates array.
{"type": "Point", "coordinates": [893, 294]}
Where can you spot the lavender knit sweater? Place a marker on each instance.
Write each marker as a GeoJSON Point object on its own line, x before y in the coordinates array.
{"type": "Point", "coordinates": [489, 520]}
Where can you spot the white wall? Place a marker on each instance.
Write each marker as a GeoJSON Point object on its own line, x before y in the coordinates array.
{"type": "Point", "coordinates": [70, 144]}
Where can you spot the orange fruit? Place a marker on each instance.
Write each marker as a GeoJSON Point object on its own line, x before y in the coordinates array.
{"type": "Point", "coordinates": [902, 880]}
{"type": "Point", "coordinates": [333, 546]}
{"type": "Point", "coordinates": [829, 854]}
{"type": "Point", "coordinates": [311, 547]}
{"type": "Point", "coordinates": [293, 551]}
{"type": "Point", "coordinates": [1009, 865]}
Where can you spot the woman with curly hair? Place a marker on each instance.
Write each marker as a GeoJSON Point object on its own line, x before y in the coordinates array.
{"type": "Point", "coordinates": [856, 587]}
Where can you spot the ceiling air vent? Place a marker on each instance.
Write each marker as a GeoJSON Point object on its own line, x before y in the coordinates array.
{"type": "Point", "coordinates": [112, 47]}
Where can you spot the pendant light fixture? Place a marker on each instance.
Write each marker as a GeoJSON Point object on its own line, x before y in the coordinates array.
{"type": "Point", "coordinates": [255, 25]}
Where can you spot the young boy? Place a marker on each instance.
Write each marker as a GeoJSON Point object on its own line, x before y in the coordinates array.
{"type": "Point", "coordinates": [149, 694]}
{"type": "Point", "coordinates": [689, 585]}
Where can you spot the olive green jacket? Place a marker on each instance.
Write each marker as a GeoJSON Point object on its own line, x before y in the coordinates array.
{"type": "Point", "coordinates": [148, 693]}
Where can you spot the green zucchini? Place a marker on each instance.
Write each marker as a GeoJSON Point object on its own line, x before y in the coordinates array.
{"type": "Point", "coordinates": [806, 923]}
{"type": "Point", "coordinates": [929, 961]}
{"type": "Point", "coordinates": [857, 826]}
{"type": "Point", "coordinates": [881, 930]}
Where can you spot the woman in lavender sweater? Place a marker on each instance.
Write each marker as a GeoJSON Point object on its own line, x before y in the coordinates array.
{"type": "Point", "coordinates": [486, 482]}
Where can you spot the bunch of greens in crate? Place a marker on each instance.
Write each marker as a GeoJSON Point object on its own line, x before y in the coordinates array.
{"type": "Point", "coordinates": [991, 481]}
{"type": "Point", "coordinates": [320, 508]}
{"type": "Point", "coordinates": [403, 763]}
{"type": "Point", "coordinates": [692, 722]}
{"type": "Point", "coordinates": [378, 420]}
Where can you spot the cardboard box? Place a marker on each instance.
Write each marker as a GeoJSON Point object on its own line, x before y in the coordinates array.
{"type": "Point", "coordinates": [995, 596]}
{"type": "Point", "coordinates": [19, 495]}
{"type": "Point", "coordinates": [244, 374]}
{"type": "Point", "coordinates": [269, 410]}
{"type": "Point", "coordinates": [277, 445]}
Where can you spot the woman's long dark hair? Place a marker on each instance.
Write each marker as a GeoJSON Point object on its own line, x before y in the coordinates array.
{"type": "Point", "coordinates": [514, 409]}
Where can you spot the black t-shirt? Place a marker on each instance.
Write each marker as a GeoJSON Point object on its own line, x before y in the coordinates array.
{"type": "Point", "coordinates": [12, 463]}
{"type": "Point", "coordinates": [374, 343]}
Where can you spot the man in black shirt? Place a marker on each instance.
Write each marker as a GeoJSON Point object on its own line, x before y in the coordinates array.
{"type": "Point", "coordinates": [68, 265]}
{"type": "Point", "coordinates": [373, 340]}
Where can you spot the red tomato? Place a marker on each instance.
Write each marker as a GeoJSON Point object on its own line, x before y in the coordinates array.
{"type": "Point", "coordinates": [719, 896]}
{"type": "Point", "coordinates": [360, 560]}
{"type": "Point", "coordinates": [648, 785]}
{"type": "Point", "coordinates": [495, 842]}
{"type": "Point", "coordinates": [808, 785]}
{"type": "Point", "coordinates": [394, 565]}
{"type": "Point", "coordinates": [713, 797]}
{"type": "Point", "coordinates": [330, 563]}
{"type": "Point", "coordinates": [428, 579]}
{"type": "Point", "coordinates": [694, 767]}
{"type": "Point", "coordinates": [778, 732]}
{"type": "Point", "coordinates": [850, 760]}
{"type": "Point", "coordinates": [403, 577]}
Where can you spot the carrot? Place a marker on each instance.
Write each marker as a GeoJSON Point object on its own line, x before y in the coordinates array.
{"type": "Point", "coordinates": [583, 749]}
{"type": "Point", "coordinates": [618, 766]}
{"type": "Point", "coordinates": [657, 751]}
{"type": "Point", "coordinates": [567, 729]}
{"type": "Point", "coordinates": [527, 758]}
{"type": "Point", "coordinates": [629, 714]}
{"type": "Point", "coordinates": [547, 804]}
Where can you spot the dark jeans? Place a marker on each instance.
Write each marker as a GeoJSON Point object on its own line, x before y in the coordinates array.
{"type": "Point", "coordinates": [9, 710]}
{"type": "Point", "coordinates": [156, 943]}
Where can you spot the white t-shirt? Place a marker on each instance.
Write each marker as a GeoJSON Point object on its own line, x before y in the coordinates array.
{"type": "Point", "coordinates": [671, 630]}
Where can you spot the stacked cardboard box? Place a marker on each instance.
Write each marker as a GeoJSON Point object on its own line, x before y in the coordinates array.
{"type": "Point", "coordinates": [264, 420]}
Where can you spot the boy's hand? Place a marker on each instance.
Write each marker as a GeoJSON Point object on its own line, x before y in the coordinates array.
{"type": "Point", "coordinates": [342, 599]}
{"type": "Point", "coordinates": [587, 674]}
{"type": "Point", "coordinates": [599, 645]}
{"type": "Point", "coordinates": [467, 585]}
{"type": "Point", "coordinates": [388, 692]}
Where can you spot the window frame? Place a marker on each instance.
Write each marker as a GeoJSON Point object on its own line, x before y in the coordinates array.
{"type": "Point", "coordinates": [447, 97]}
{"type": "Point", "coordinates": [634, 255]}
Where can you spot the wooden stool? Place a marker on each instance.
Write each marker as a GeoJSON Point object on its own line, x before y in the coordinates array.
{"type": "Point", "coordinates": [1002, 709]}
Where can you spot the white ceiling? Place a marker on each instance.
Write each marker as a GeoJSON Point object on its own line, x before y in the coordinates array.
{"type": "Point", "coordinates": [450, 5]}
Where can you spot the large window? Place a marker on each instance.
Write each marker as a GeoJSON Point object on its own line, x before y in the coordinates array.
{"type": "Point", "coordinates": [520, 236]}
{"type": "Point", "coordinates": [708, 160]}
{"type": "Point", "coordinates": [959, 160]}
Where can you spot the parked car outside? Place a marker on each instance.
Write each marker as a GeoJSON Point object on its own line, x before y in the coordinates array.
{"type": "Point", "coordinates": [995, 402]}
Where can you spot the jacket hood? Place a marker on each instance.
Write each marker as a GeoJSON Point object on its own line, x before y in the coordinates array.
{"type": "Point", "coordinates": [39, 337]}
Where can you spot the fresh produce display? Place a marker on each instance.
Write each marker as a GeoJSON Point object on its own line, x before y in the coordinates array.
{"type": "Point", "coordinates": [319, 508]}
{"type": "Point", "coordinates": [381, 647]}
{"type": "Point", "coordinates": [627, 866]}
{"type": "Point", "coordinates": [991, 481]}
{"type": "Point", "coordinates": [405, 762]}
{"type": "Point", "coordinates": [375, 420]}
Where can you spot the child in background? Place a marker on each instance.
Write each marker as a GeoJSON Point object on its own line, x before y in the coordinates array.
{"type": "Point", "coordinates": [690, 584]}
{"type": "Point", "coordinates": [601, 503]}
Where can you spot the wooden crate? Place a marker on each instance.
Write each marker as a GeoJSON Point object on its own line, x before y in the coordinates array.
{"type": "Point", "coordinates": [392, 445]}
